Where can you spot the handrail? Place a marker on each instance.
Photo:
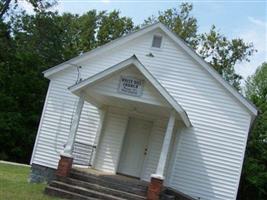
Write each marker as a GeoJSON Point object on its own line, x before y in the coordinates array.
{"type": "Point", "coordinates": [83, 153]}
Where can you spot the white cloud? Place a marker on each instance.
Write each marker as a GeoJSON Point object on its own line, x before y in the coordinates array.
{"type": "Point", "coordinates": [105, 1]}
{"type": "Point", "coordinates": [255, 32]}
{"type": "Point", "coordinates": [24, 5]}
{"type": "Point", "coordinates": [257, 21]}
{"type": "Point", "coordinates": [59, 7]}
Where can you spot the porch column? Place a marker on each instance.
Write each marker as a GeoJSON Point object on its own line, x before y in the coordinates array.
{"type": "Point", "coordinates": [157, 179]}
{"type": "Point", "coordinates": [66, 159]}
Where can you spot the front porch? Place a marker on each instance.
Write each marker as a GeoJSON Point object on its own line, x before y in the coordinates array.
{"type": "Point", "coordinates": [131, 184]}
{"type": "Point", "coordinates": [138, 126]}
{"type": "Point", "coordinates": [90, 184]}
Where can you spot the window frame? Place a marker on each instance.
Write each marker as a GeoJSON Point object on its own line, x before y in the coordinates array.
{"type": "Point", "coordinates": [162, 42]}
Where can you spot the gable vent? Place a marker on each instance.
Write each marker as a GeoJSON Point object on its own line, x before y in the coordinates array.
{"type": "Point", "coordinates": [157, 40]}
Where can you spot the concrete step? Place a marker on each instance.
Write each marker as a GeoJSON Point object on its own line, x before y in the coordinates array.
{"type": "Point", "coordinates": [56, 192]}
{"type": "Point", "coordinates": [99, 188]}
{"type": "Point", "coordinates": [84, 192]}
{"type": "Point", "coordinates": [122, 184]}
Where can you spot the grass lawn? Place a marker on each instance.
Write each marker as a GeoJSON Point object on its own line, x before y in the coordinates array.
{"type": "Point", "coordinates": [14, 184]}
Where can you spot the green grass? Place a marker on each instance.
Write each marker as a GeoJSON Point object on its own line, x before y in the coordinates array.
{"type": "Point", "coordinates": [14, 184]}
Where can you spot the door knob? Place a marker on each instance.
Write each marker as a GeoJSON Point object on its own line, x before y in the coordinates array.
{"type": "Point", "coordinates": [145, 151]}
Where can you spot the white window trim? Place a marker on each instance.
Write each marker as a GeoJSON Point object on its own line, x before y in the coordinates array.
{"type": "Point", "coordinates": [162, 42]}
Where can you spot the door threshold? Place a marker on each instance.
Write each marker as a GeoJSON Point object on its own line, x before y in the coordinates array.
{"type": "Point", "coordinates": [134, 177]}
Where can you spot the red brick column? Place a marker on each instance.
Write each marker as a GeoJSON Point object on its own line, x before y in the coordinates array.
{"type": "Point", "coordinates": [154, 188]}
{"type": "Point", "coordinates": [64, 166]}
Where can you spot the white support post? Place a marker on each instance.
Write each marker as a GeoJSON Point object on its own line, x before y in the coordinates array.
{"type": "Point", "coordinates": [165, 147]}
{"type": "Point", "coordinates": [74, 126]}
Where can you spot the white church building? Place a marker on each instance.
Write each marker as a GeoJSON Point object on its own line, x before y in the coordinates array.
{"type": "Point", "coordinates": [145, 106]}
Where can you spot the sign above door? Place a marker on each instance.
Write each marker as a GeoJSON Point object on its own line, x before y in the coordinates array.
{"type": "Point", "coordinates": [131, 86]}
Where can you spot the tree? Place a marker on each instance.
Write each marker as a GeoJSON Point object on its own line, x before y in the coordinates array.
{"type": "Point", "coordinates": [112, 26]}
{"type": "Point", "coordinates": [31, 44]}
{"type": "Point", "coordinates": [253, 183]}
{"type": "Point", "coordinates": [88, 25]}
{"type": "Point", "coordinates": [256, 86]}
{"type": "Point", "coordinates": [38, 5]}
{"type": "Point", "coordinates": [222, 53]}
{"type": "Point", "coordinates": [179, 21]}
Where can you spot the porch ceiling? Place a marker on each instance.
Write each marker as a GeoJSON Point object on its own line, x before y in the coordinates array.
{"type": "Point", "coordinates": [101, 100]}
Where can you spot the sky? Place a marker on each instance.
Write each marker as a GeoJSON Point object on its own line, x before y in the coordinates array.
{"type": "Point", "coordinates": [244, 19]}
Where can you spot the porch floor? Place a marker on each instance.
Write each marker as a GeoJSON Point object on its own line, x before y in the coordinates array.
{"type": "Point", "coordinates": [110, 176]}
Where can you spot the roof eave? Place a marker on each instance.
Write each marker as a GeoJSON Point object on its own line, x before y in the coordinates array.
{"type": "Point", "coordinates": [105, 47]}
{"type": "Point", "coordinates": [253, 110]}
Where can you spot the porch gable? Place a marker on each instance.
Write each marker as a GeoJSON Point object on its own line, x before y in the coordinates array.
{"type": "Point", "coordinates": [129, 84]}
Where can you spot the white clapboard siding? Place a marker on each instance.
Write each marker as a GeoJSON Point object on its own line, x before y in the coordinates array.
{"type": "Point", "coordinates": [154, 148]}
{"type": "Point", "coordinates": [108, 150]}
{"type": "Point", "coordinates": [57, 117]}
{"type": "Point", "coordinates": [110, 86]}
{"type": "Point", "coordinates": [208, 157]}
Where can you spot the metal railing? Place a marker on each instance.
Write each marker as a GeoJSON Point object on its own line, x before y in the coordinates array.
{"type": "Point", "coordinates": [83, 153]}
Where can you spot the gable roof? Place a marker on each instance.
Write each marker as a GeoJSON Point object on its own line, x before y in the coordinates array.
{"type": "Point", "coordinates": [176, 39]}
{"type": "Point", "coordinates": [97, 51]}
{"type": "Point", "coordinates": [124, 64]}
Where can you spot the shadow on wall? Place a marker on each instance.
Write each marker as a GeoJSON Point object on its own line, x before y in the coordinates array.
{"type": "Point", "coordinates": [105, 158]}
{"type": "Point", "coordinates": [189, 174]}
{"type": "Point", "coordinates": [108, 152]}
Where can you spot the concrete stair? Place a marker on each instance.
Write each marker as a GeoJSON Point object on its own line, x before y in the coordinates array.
{"type": "Point", "coordinates": [66, 194]}
{"type": "Point", "coordinates": [88, 186]}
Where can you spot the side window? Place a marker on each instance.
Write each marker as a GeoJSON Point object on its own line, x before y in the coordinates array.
{"type": "Point", "coordinates": [157, 41]}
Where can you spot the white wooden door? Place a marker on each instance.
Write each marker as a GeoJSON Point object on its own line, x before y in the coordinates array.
{"type": "Point", "coordinates": [135, 147]}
